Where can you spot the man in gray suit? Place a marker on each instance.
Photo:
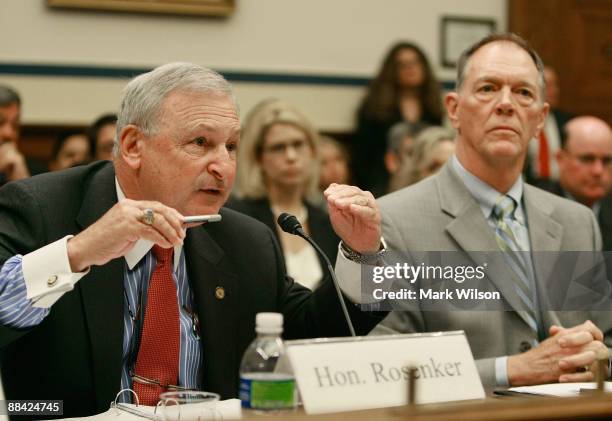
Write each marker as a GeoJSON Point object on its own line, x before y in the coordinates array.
{"type": "Point", "coordinates": [498, 107]}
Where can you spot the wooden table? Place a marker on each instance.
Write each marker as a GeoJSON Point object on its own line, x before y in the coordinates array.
{"type": "Point", "coordinates": [588, 407]}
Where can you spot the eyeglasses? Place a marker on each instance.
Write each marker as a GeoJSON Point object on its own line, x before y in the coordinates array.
{"type": "Point", "coordinates": [281, 148]}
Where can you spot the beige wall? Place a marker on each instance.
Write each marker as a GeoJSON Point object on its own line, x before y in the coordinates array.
{"type": "Point", "coordinates": [329, 37]}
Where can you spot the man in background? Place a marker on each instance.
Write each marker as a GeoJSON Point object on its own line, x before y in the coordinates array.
{"type": "Point", "coordinates": [71, 148]}
{"type": "Point", "coordinates": [585, 169]}
{"type": "Point", "coordinates": [400, 142]}
{"type": "Point", "coordinates": [102, 137]}
{"type": "Point", "coordinates": [12, 163]}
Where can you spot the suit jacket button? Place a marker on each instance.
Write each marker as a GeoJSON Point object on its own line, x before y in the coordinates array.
{"type": "Point", "coordinates": [525, 346]}
{"type": "Point", "coordinates": [220, 293]}
{"type": "Point", "coordinates": [52, 280]}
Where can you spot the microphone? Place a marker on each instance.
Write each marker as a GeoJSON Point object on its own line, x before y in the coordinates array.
{"type": "Point", "coordinates": [291, 225]}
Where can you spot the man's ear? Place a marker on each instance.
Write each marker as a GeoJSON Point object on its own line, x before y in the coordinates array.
{"type": "Point", "coordinates": [131, 141]}
{"type": "Point", "coordinates": [451, 102]}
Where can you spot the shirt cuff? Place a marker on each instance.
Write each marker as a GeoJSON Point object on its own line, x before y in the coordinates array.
{"type": "Point", "coordinates": [349, 276]}
{"type": "Point", "coordinates": [47, 273]}
{"type": "Point", "coordinates": [501, 371]}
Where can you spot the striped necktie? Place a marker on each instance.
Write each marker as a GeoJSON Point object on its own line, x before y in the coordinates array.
{"type": "Point", "coordinates": [503, 213]}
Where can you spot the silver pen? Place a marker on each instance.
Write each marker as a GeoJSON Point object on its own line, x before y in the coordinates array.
{"type": "Point", "coordinates": [196, 219]}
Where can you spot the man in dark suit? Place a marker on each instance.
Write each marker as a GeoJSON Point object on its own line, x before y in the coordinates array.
{"type": "Point", "coordinates": [585, 169]}
{"type": "Point", "coordinates": [103, 288]}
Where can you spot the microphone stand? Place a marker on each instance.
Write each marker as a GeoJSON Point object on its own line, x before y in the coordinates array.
{"type": "Point", "coordinates": [300, 232]}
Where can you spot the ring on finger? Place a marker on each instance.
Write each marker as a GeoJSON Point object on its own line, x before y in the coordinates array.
{"type": "Point", "coordinates": [147, 217]}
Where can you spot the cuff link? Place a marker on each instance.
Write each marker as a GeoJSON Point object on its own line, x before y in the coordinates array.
{"type": "Point", "coordinates": [52, 280]}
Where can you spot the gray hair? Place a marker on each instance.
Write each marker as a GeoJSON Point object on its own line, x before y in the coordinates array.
{"type": "Point", "coordinates": [143, 96]}
{"type": "Point", "coordinates": [505, 37]}
{"type": "Point", "coordinates": [8, 96]}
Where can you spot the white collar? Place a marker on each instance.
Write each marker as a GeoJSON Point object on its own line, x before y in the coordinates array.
{"type": "Point", "coordinates": [142, 246]}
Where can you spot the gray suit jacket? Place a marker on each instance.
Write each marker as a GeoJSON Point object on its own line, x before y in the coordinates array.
{"type": "Point", "coordinates": [439, 214]}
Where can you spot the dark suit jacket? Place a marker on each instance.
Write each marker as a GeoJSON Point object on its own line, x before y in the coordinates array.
{"type": "Point", "coordinates": [605, 222]}
{"type": "Point", "coordinates": [604, 218]}
{"type": "Point", "coordinates": [321, 229]}
{"type": "Point", "coordinates": [75, 353]}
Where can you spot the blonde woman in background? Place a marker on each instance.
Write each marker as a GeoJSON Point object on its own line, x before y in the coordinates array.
{"type": "Point", "coordinates": [278, 172]}
{"type": "Point", "coordinates": [431, 149]}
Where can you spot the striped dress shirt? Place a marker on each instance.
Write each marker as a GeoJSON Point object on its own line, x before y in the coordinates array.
{"type": "Point", "coordinates": [16, 311]}
{"type": "Point", "coordinates": [136, 281]}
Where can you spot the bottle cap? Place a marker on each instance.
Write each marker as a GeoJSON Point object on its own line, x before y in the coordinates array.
{"type": "Point", "coordinates": [269, 323]}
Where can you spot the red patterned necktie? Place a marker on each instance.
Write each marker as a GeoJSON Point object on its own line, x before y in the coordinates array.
{"type": "Point", "coordinates": [158, 354]}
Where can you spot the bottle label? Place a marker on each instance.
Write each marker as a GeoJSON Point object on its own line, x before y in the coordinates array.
{"type": "Point", "coordinates": [267, 394]}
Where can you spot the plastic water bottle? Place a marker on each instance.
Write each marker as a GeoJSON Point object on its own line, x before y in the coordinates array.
{"type": "Point", "coordinates": [261, 387]}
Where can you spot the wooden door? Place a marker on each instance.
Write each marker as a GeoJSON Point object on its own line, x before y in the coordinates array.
{"type": "Point", "coordinates": [575, 38]}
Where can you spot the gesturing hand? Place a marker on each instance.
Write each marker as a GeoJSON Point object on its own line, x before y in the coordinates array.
{"type": "Point", "coordinates": [120, 228]}
{"type": "Point", "coordinates": [355, 216]}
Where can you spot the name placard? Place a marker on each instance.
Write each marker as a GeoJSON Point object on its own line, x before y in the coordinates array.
{"type": "Point", "coordinates": [347, 374]}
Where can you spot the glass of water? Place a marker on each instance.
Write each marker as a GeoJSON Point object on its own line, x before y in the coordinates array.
{"type": "Point", "coordinates": [188, 406]}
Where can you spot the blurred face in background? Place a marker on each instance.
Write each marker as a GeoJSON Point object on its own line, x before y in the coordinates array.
{"type": "Point", "coordinates": [286, 157]}
{"type": "Point", "coordinates": [585, 163]}
{"type": "Point", "coordinates": [406, 147]}
{"type": "Point", "coordinates": [334, 166]}
{"type": "Point", "coordinates": [394, 160]}
{"type": "Point", "coordinates": [9, 123]}
{"type": "Point", "coordinates": [438, 156]}
{"type": "Point", "coordinates": [410, 71]}
{"type": "Point", "coordinates": [105, 142]}
{"type": "Point", "coordinates": [75, 150]}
